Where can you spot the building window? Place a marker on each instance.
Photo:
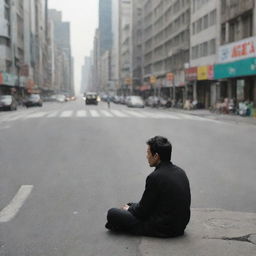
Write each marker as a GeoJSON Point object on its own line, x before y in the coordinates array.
{"type": "Point", "coordinates": [205, 22]}
{"type": "Point", "coordinates": [223, 33]}
{"type": "Point", "coordinates": [212, 46]}
{"type": "Point", "coordinates": [199, 25]}
{"type": "Point", "coordinates": [247, 25]}
{"type": "Point", "coordinates": [212, 19]}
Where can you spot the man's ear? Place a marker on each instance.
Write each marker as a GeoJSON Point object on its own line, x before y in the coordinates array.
{"type": "Point", "coordinates": [156, 155]}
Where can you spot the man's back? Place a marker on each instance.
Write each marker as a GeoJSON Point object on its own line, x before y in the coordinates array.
{"type": "Point", "coordinates": [165, 204]}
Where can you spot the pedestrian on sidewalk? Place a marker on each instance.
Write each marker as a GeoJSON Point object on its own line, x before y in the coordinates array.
{"type": "Point", "coordinates": [108, 101]}
{"type": "Point", "coordinates": [164, 209]}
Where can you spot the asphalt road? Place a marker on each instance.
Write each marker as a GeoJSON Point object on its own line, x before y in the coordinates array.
{"type": "Point", "coordinates": [79, 161]}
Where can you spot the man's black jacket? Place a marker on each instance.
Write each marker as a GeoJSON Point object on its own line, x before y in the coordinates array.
{"type": "Point", "coordinates": [165, 205]}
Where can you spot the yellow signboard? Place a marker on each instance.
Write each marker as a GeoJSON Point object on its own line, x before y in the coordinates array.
{"type": "Point", "coordinates": [202, 73]}
{"type": "Point", "coordinates": [152, 79]}
{"type": "Point", "coordinates": [128, 81]}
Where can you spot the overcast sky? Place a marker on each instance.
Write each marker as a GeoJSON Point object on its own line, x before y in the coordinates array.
{"type": "Point", "coordinates": [83, 16]}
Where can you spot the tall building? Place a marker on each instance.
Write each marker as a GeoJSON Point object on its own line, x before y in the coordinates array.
{"type": "Point", "coordinates": [115, 43]}
{"type": "Point", "coordinates": [204, 42]}
{"type": "Point", "coordinates": [166, 44]}
{"type": "Point", "coordinates": [137, 37]}
{"type": "Point", "coordinates": [125, 46]}
{"type": "Point", "coordinates": [86, 70]}
{"type": "Point", "coordinates": [63, 52]}
{"type": "Point", "coordinates": [105, 25]}
{"type": "Point", "coordinates": [237, 53]}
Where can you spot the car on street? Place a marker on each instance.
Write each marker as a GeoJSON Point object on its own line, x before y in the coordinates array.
{"type": "Point", "coordinates": [33, 100]}
{"type": "Point", "coordinates": [91, 98]}
{"type": "Point", "coordinates": [135, 102]}
{"type": "Point", "coordinates": [8, 102]}
{"type": "Point", "coordinates": [61, 98]}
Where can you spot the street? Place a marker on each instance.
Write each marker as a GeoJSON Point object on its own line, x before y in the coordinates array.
{"type": "Point", "coordinates": [79, 161]}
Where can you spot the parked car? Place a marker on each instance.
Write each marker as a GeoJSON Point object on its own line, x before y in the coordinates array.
{"type": "Point", "coordinates": [91, 98]}
{"type": "Point", "coordinates": [33, 100]}
{"type": "Point", "coordinates": [8, 102]}
{"type": "Point", "coordinates": [60, 98]}
{"type": "Point", "coordinates": [135, 101]}
{"type": "Point", "coordinates": [152, 101]}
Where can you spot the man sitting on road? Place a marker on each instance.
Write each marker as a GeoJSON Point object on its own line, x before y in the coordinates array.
{"type": "Point", "coordinates": [164, 209]}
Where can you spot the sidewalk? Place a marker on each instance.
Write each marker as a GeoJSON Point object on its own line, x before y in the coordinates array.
{"type": "Point", "coordinates": [223, 117]}
{"type": "Point", "coordinates": [211, 232]}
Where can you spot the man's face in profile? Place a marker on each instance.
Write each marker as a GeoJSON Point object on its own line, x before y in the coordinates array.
{"type": "Point", "coordinates": [153, 160]}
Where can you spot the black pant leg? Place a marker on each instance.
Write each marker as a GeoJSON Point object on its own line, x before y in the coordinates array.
{"type": "Point", "coordinates": [122, 220]}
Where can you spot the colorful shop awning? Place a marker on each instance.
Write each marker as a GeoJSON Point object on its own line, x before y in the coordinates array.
{"type": "Point", "coordinates": [245, 67]}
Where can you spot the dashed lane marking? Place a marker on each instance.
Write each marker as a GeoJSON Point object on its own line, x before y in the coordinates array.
{"type": "Point", "coordinates": [10, 211]}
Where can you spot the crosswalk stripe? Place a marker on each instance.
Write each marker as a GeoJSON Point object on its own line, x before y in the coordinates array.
{"type": "Point", "coordinates": [159, 115]}
{"type": "Point", "coordinates": [67, 113]}
{"type": "Point", "coordinates": [106, 113]}
{"type": "Point", "coordinates": [35, 115]}
{"type": "Point", "coordinates": [134, 113]}
{"type": "Point", "coordinates": [81, 113]}
{"type": "Point", "coordinates": [118, 113]}
{"type": "Point", "coordinates": [94, 113]}
{"type": "Point", "coordinates": [53, 114]}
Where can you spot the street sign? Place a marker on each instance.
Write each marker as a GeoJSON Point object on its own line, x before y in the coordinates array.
{"type": "Point", "coordinates": [152, 79]}
{"type": "Point", "coordinates": [170, 76]}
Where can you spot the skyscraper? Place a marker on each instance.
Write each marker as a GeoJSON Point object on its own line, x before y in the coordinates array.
{"type": "Point", "coordinates": [105, 25]}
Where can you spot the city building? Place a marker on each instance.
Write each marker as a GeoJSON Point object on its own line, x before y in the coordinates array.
{"type": "Point", "coordinates": [204, 42]}
{"type": "Point", "coordinates": [137, 33]}
{"type": "Point", "coordinates": [63, 58]}
{"type": "Point", "coordinates": [86, 71]}
{"type": "Point", "coordinates": [166, 38]}
{"type": "Point", "coordinates": [236, 68]}
{"type": "Point", "coordinates": [125, 47]}
{"type": "Point", "coordinates": [105, 25]}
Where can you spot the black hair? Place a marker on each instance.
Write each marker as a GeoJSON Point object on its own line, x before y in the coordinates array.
{"type": "Point", "coordinates": [161, 146]}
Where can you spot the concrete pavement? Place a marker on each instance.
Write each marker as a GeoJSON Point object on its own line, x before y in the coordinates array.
{"type": "Point", "coordinates": [215, 116]}
{"type": "Point", "coordinates": [210, 232]}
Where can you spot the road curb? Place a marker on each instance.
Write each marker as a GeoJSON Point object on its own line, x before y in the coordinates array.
{"type": "Point", "coordinates": [210, 232]}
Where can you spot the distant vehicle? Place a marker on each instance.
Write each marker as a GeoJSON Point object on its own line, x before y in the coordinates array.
{"type": "Point", "coordinates": [91, 98]}
{"type": "Point", "coordinates": [60, 98]}
{"type": "Point", "coordinates": [8, 102]}
{"type": "Point", "coordinates": [33, 100]}
{"type": "Point", "coordinates": [135, 102]}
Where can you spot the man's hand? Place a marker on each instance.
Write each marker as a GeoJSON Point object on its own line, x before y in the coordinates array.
{"type": "Point", "coordinates": [125, 207]}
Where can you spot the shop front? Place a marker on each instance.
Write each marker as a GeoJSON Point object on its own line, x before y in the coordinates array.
{"type": "Point", "coordinates": [236, 70]}
{"type": "Point", "coordinates": [8, 83]}
{"type": "Point", "coordinates": [205, 86]}
{"type": "Point", "coordinates": [238, 79]}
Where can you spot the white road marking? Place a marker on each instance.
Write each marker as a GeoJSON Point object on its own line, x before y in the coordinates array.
{"type": "Point", "coordinates": [35, 115]}
{"type": "Point", "coordinates": [158, 115]}
{"type": "Point", "coordinates": [81, 113]}
{"type": "Point", "coordinates": [94, 113]}
{"type": "Point", "coordinates": [134, 113]}
{"type": "Point", "coordinates": [67, 113]}
{"type": "Point", "coordinates": [118, 113]}
{"type": "Point", "coordinates": [10, 211]}
{"type": "Point", "coordinates": [106, 113]}
{"type": "Point", "coordinates": [53, 114]}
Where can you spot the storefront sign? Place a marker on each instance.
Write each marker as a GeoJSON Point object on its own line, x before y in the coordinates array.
{"type": "Point", "coordinates": [191, 73]}
{"type": "Point", "coordinates": [170, 76]}
{"type": "Point", "coordinates": [205, 73]}
{"type": "Point", "coordinates": [8, 79]}
{"type": "Point", "coordinates": [244, 67]}
{"type": "Point", "coordinates": [237, 51]}
{"type": "Point", "coordinates": [152, 79]}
